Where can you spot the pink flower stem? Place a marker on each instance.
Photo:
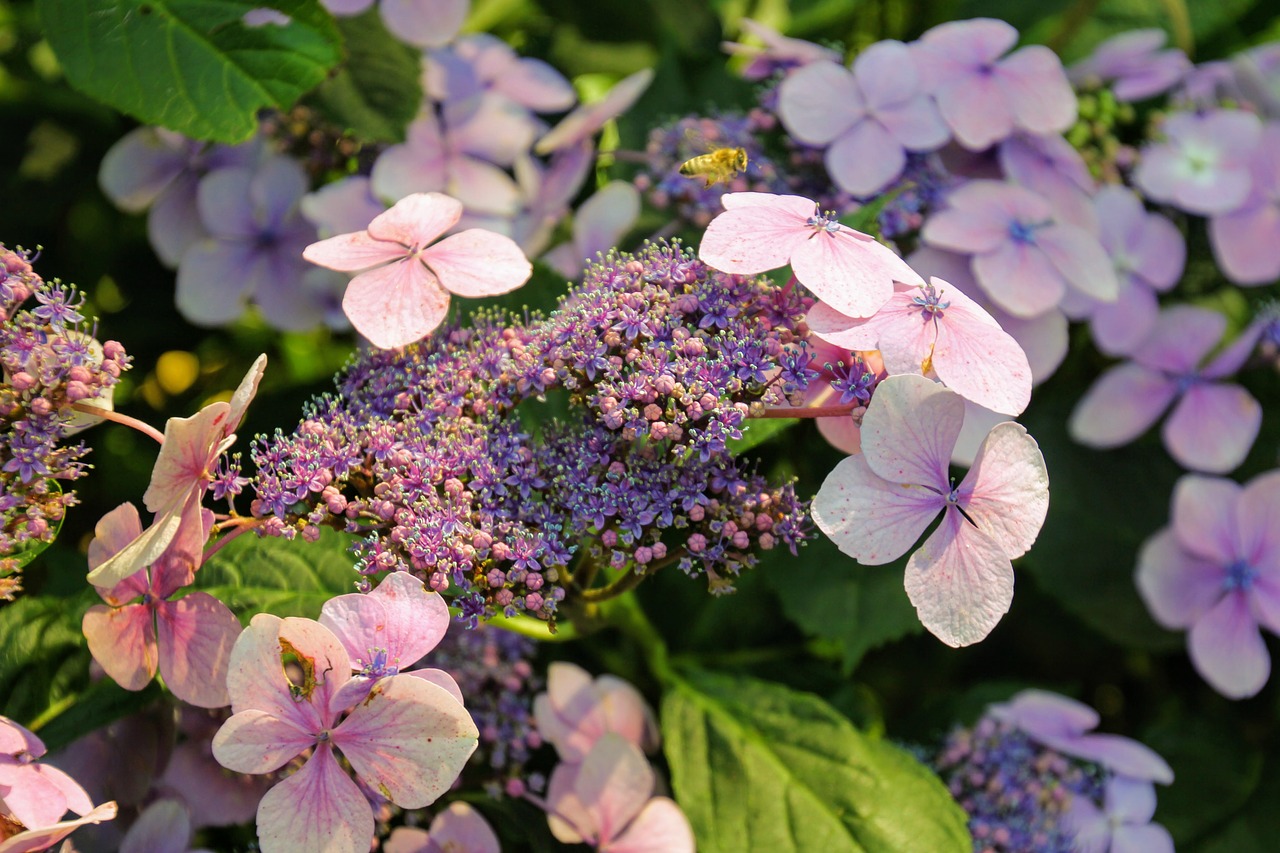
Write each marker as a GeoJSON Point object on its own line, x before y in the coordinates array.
{"type": "Point", "coordinates": [803, 412]}
{"type": "Point", "coordinates": [108, 415]}
{"type": "Point", "coordinates": [238, 526]}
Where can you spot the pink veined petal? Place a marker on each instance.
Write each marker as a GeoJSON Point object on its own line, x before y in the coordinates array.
{"type": "Point", "coordinates": [567, 816]}
{"type": "Point", "coordinates": [661, 827]}
{"type": "Point", "coordinates": [1246, 244]}
{"type": "Point", "coordinates": [1227, 649]}
{"type": "Point", "coordinates": [395, 305]}
{"type": "Point", "coordinates": [409, 740]}
{"type": "Point", "coordinates": [196, 634]}
{"type": "Point", "coordinates": [417, 219]}
{"type": "Point", "coordinates": [245, 392]}
{"type": "Point", "coordinates": [1038, 93]}
{"type": "Point", "coordinates": [754, 237]}
{"type": "Point", "coordinates": [849, 270]}
{"type": "Point", "coordinates": [818, 102]}
{"type": "Point", "coordinates": [1177, 587]}
{"type": "Point", "coordinates": [123, 642]}
{"type": "Point", "coordinates": [47, 836]}
{"type": "Point", "coordinates": [111, 535]}
{"type": "Point", "coordinates": [399, 615]}
{"type": "Point", "coordinates": [317, 808]}
{"type": "Point", "coordinates": [478, 263]}
{"type": "Point", "coordinates": [353, 252]}
{"type": "Point", "coordinates": [975, 109]}
{"type": "Point", "coordinates": [1204, 517]}
{"type": "Point", "coordinates": [424, 23]}
{"type": "Point", "coordinates": [1081, 260]}
{"type": "Point", "coordinates": [865, 159]}
{"type": "Point", "coordinates": [1213, 427]}
{"type": "Point", "coordinates": [254, 741]}
{"type": "Point", "coordinates": [182, 466]}
{"type": "Point", "coordinates": [215, 281]}
{"type": "Point", "coordinates": [794, 206]}
{"type": "Point", "coordinates": [163, 827]}
{"type": "Point", "coordinates": [588, 118]}
{"type": "Point", "coordinates": [614, 784]}
{"type": "Point", "coordinates": [852, 333]}
{"type": "Point", "coordinates": [257, 679]}
{"type": "Point", "coordinates": [1020, 278]}
{"type": "Point", "coordinates": [1148, 838]}
{"type": "Point", "coordinates": [1006, 492]}
{"type": "Point", "coordinates": [977, 359]}
{"type": "Point", "coordinates": [960, 581]}
{"type": "Point", "coordinates": [909, 429]}
{"type": "Point", "coordinates": [1121, 405]}
{"type": "Point", "coordinates": [896, 330]}
{"type": "Point", "coordinates": [440, 679]}
{"type": "Point", "coordinates": [869, 518]}
{"type": "Point", "coordinates": [141, 552]}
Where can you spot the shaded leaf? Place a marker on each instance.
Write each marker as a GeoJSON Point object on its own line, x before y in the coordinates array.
{"type": "Point", "coordinates": [43, 658]}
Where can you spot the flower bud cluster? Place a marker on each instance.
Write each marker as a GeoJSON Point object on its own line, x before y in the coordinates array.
{"type": "Point", "coordinates": [49, 361]}
{"type": "Point", "coordinates": [437, 452]}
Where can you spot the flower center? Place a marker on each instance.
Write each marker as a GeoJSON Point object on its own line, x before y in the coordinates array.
{"type": "Point", "coordinates": [1025, 232]}
{"type": "Point", "coordinates": [931, 303]}
{"type": "Point", "coordinates": [379, 664]}
{"type": "Point", "coordinates": [820, 221]}
{"type": "Point", "coordinates": [1240, 576]}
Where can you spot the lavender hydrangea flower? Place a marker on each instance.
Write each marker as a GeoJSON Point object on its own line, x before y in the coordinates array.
{"type": "Point", "coordinates": [1133, 64]}
{"type": "Point", "coordinates": [1049, 166]}
{"type": "Point", "coordinates": [1216, 571]}
{"type": "Point", "coordinates": [421, 23]}
{"type": "Point", "coordinates": [1122, 822]}
{"type": "Point", "coordinates": [869, 117]}
{"type": "Point", "coordinates": [984, 95]}
{"type": "Point", "coordinates": [254, 251]}
{"type": "Point", "coordinates": [777, 53]}
{"type": "Point", "coordinates": [1213, 424]}
{"type": "Point", "coordinates": [1203, 164]}
{"type": "Point", "coordinates": [1246, 241]}
{"type": "Point", "coordinates": [1023, 257]}
{"type": "Point", "coordinates": [481, 62]}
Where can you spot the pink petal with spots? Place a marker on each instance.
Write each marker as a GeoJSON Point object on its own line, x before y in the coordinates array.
{"type": "Point", "coordinates": [1177, 587]}
{"type": "Point", "coordinates": [850, 271]}
{"type": "Point", "coordinates": [409, 740]}
{"type": "Point", "coordinates": [1227, 649]}
{"type": "Point", "coordinates": [757, 232]}
{"type": "Point", "coordinates": [196, 635]}
{"type": "Point", "coordinates": [851, 333]}
{"type": "Point", "coordinates": [478, 263]}
{"type": "Point", "coordinates": [47, 836]}
{"type": "Point", "coordinates": [399, 615]}
{"type": "Point", "coordinates": [256, 742]}
{"type": "Point", "coordinates": [960, 582]}
{"type": "Point", "coordinates": [353, 252]}
{"type": "Point", "coordinates": [819, 102]}
{"type": "Point", "coordinates": [123, 642]}
{"type": "Point", "coordinates": [317, 808]}
{"type": "Point", "coordinates": [865, 159]}
{"type": "Point", "coordinates": [661, 827]}
{"type": "Point", "coordinates": [1213, 427]}
{"type": "Point", "coordinates": [869, 518]}
{"type": "Point", "coordinates": [1121, 405]}
{"type": "Point", "coordinates": [256, 678]}
{"type": "Point", "coordinates": [440, 679]}
{"type": "Point", "coordinates": [417, 219]}
{"type": "Point", "coordinates": [909, 429]}
{"type": "Point", "coordinates": [1006, 492]}
{"type": "Point", "coordinates": [190, 446]}
{"type": "Point", "coordinates": [397, 304]}
{"type": "Point", "coordinates": [1036, 86]}
{"type": "Point", "coordinates": [977, 359]}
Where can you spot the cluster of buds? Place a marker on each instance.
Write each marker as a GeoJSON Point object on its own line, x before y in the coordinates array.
{"type": "Point", "coordinates": [51, 362]}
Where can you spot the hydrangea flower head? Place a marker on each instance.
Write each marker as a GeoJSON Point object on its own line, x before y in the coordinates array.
{"type": "Point", "coordinates": [1216, 572]}
{"type": "Point", "coordinates": [875, 505]}
{"type": "Point", "coordinates": [1203, 164]}
{"type": "Point", "coordinates": [189, 639]}
{"type": "Point", "coordinates": [1246, 241]}
{"type": "Point", "coordinates": [984, 95]}
{"type": "Point", "coordinates": [408, 739]}
{"type": "Point", "coordinates": [1024, 258]}
{"type": "Point", "coordinates": [848, 270]}
{"type": "Point", "coordinates": [936, 328]}
{"type": "Point", "coordinates": [406, 293]}
{"type": "Point", "coordinates": [1133, 64]}
{"type": "Point", "coordinates": [1213, 423]}
{"type": "Point", "coordinates": [869, 117]}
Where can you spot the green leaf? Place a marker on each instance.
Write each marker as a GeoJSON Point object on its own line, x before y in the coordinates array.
{"type": "Point", "coordinates": [102, 704]}
{"type": "Point", "coordinates": [193, 66]}
{"type": "Point", "coordinates": [759, 430]}
{"type": "Point", "coordinates": [831, 597]}
{"type": "Point", "coordinates": [379, 90]}
{"type": "Point", "coordinates": [43, 660]}
{"type": "Point", "coordinates": [757, 766]}
{"type": "Point", "coordinates": [252, 575]}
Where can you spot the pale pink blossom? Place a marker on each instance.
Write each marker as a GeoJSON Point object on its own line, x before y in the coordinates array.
{"type": "Point", "coordinates": [457, 829]}
{"type": "Point", "coordinates": [586, 119]}
{"type": "Point", "coordinates": [1246, 241]}
{"type": "Point", "coordinates": [607, 802]}
{"type": "Point", "coordinates": [576, 711]}
{"type": "Point", "coordinates": [183, 471]}
{"type": "Point", "coordinates": [403, 294]}
{"type": "Point", "coordinates": [875, 505]}
{"type": "Point", "coordinates": [1202, 165]}
{"type": "Point", "coordinates": [1133, 64]}
{"type": "Point", "coordinates": [189, 638]}
{"type": "Point", "coordinates": [936, 329]}
{"type": "Point", "coordinates": [849, 270]}
{"type": "Point", "coordinates": [408, 739]}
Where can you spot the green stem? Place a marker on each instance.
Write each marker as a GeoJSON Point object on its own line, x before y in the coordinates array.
{"type": "Point", "coordinates": [625, 614]}
{"type": "Point", "coordinates": [527, 626]}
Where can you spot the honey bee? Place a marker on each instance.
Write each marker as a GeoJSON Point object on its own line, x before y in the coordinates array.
{"type": "Point", "coordinates": [721, 165]}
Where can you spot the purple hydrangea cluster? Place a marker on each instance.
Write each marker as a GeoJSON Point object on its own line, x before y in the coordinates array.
{"type": "Point", "coordinates": [1014, 790]}
{"type": "Point", "coordinates": [494, 670]}
{"type": "Point", "coordinates": [50, 360]}
{"type": "Point", "coordinates": [426, 451]}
